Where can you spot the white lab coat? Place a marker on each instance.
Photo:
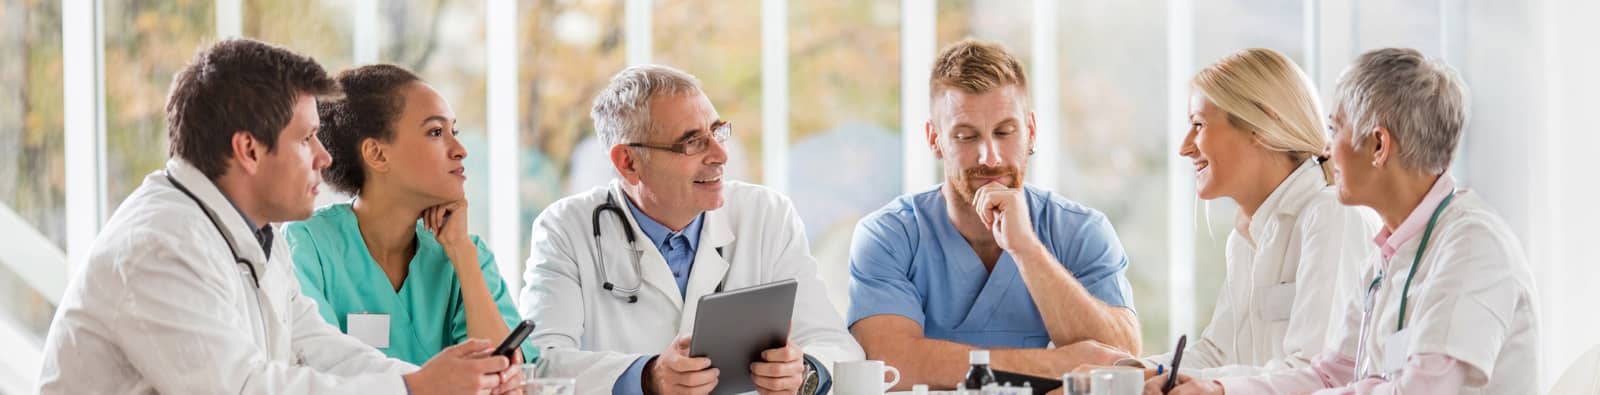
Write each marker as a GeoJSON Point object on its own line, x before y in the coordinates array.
{"type": "Point", "coordinates": [588, 333]}
{"type": "Point", "coordinates": [161, 306]}
{"type": "Point", "coordinates": [1284, 291]}
{"type": "Point", "coordinates": [1473, 300]}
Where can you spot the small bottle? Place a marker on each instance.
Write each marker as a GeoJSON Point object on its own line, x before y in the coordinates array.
{"type": "Point", "coordinates": [979, 375]}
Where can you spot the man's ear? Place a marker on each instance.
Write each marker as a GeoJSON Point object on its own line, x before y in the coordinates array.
{"type": "Point", "coordinates": [933, 140]}
{"type": "Point", "coordinates": [247, 151]}
{"type": "Point", "coordinates": [1033, 131]}
{"type": "Point", "coordinates": [374, 155]}
{"type": "Point", "coordinates": [626, 162]}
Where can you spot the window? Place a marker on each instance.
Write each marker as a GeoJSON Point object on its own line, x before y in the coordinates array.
{"type": "Point", "coordinates": [569, 50]}
{"type": "Point", "coordinates": [723, 50]}
{"type": "Point", "coordinates": [844, 116]}
{"type": "Point", "coordinates": [1113, 138]}
{"type": "Point", "coordinates": [147, 42]}
{"type": "Point", "coordinates": [32, 155]}
{"type": "Point", "coordinates": [321, 29]}
{"type": "Point", "coordinates": [1008, 22]}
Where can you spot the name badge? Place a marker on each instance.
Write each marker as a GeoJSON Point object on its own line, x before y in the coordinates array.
{"type": "Point", "coordinates": [1395, 350]}
{"type": "Point", "coordinates": [372, 329]}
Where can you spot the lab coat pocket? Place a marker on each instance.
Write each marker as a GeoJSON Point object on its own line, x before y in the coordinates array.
{"type": "Point", "coordinates": [1275, 302]}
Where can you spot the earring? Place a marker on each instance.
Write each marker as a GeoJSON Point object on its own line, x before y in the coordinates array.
{"type": "Point", "coordinates": [1030, 151]}
{"type": "Point", "coordinates": [1374, 163]}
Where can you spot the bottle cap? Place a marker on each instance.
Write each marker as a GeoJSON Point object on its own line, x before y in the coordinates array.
{"type": "Point", "coordinates": [979, 357]}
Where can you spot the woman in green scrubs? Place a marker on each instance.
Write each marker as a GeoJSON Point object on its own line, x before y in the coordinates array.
{"type": "Point", "coordinates": [395, 266]}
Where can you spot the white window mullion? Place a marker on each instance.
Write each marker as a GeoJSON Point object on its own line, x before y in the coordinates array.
{"type": "Point", "coordinates": [229, 20]}
{"type": "Point", "coordinates": [505, 212]}
{"type": "Point", "coordinates": [1180, 182]}
{"type": "Point", "coordinates": [83, 119]}
{"type": "Point", "coordinates": [637, 31]}
{"type": "Point", "coordinates": [1310, 38]}
{"type": "Point", "coordinates": [1335, 44]}
{"type": "Point", "coordinates": [364, 34]}
{"type": "Point", "coordinates": [1046, 92]}
{"type": "Point", "coordinates": [775, 94]}
{"type": "Point", "coordinates": [917, 38]}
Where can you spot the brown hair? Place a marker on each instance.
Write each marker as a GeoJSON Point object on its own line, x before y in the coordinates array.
{"type": "Point", "coordinates": [976, 66]}
{"type": "Point", "coordinates": [368, 107]}
{"type": "Point", "coordinates": [236, 85]}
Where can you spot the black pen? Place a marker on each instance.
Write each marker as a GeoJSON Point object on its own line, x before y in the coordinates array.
{"type": "Point", "coordinates": [1177, 358]}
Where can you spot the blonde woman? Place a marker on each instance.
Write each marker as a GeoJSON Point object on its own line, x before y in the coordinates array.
{"type": "Point", "coordinates": [1256, 129]}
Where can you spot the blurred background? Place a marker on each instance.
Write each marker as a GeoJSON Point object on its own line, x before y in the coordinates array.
{"type": "Point", "coordinates": [828, 99]}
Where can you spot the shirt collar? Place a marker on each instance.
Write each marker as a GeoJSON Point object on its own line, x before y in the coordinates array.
{"type": "Point", "coordinates": [659, 234]}
{"type": "Point", "coordinates": [263, 234]}
{"type": "Point", "coordinates": [1414, 223]}
{"type": "Point", "coordinates": [1305, 180]}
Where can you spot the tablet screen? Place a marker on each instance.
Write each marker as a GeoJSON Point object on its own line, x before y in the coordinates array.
{"type": "Point", "coordinates": [734, 327]}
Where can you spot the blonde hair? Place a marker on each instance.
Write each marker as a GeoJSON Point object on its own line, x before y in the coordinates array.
{"type": "Point", "coordinates": [976, 66]}
{"type": "Point", "coordinates": [1265, 94]}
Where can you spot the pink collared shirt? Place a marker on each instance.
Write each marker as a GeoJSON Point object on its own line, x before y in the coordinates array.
{"type": "Point", "coordinates": [1329, 372]}
{"type": "Point", "coordinates": [1334, 373]}
{"type": "Point", "coordinates": [1417, 221]}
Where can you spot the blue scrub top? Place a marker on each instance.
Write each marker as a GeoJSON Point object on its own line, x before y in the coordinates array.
{"type": "Point", "coordinates": [907, 259]}
{"type": "Point", "coordinates": [426, 315]}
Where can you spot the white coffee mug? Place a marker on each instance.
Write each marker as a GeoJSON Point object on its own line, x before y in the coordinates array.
{"type": "Point", "coordinates": [862, 377]}
{"type": "Point", "coordinates": [1116, 380]}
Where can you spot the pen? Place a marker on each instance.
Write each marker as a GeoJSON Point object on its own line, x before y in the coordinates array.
{"type": "Point", "coordinates": [1177, 358]}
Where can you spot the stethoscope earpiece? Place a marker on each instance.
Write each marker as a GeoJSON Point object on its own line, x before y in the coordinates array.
{"type": "Point", "coordinates": [633, 298]}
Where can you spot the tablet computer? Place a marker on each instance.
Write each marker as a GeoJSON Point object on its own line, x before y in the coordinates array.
{"type": "Point", "coordinates": [734, 327]}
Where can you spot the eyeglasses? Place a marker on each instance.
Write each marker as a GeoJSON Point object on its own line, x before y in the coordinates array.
{"type": "Point", "coordinates": [697, 145]}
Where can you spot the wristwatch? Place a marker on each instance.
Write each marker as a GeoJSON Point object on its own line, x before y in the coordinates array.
{"type": "Point", "coordinates": [812, 380]}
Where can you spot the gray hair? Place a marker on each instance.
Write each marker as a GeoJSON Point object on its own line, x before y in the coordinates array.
{"type": "Point", "coordinates": [1421, 101]}
{"type": "Point", "coordinates": [621, 111]}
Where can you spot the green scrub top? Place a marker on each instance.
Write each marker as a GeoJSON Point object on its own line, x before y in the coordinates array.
{"type": "Point", "coordinates": [425, 316]}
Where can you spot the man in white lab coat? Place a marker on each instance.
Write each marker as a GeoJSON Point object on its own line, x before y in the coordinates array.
{"type": "Point", "coordinates": [187, 290]}
{"type": "Point", "coordinates": [616, 305]}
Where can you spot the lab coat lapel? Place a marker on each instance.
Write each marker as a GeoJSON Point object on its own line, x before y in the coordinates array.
{"type": "Point", "coordinates": [274, 337]}
{"type": "Point", "coordinates": [710, 267]}
{"type": "Point", "coordinates": [217, 206]}
{"type": "Point", "coordinates": [652, 266]}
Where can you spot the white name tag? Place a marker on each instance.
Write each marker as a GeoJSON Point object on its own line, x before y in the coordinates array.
{"type": "Point", "coordinates": [1396, 347]}
{"type": "Point", "coordinates": [372, 329]}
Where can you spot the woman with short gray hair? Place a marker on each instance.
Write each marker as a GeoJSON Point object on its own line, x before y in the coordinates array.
{"type": "Point", "coordinates": [1448, 306]}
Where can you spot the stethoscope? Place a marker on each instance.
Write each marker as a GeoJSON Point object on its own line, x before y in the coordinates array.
{"type": "Point", "coordinates": [254, 279]}
{"type": "Point", "coordinates": [629, 294]}
{"type": "Point", "coordinates": [1372, 291]}
{"type": "Point", "coordinates": [261, 318]}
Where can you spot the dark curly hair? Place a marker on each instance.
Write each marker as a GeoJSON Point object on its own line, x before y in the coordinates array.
{"type": "Point", "coordinates": [234, 85]}
{"type": "Point", "coordinates": [368, 107]}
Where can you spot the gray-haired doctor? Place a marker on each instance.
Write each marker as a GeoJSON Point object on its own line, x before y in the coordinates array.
{"type": "Point", "coordinates": [616, 273]}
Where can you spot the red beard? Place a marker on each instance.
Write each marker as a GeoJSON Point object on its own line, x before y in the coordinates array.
{"type": "Point", "coordinates": [967, 185]}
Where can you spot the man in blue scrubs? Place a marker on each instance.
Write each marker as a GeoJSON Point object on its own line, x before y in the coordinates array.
{"type": "Point", "coordinates": [984, 261]}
